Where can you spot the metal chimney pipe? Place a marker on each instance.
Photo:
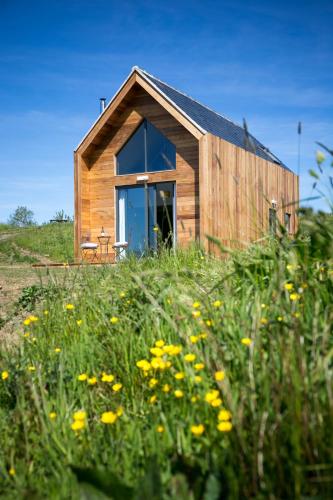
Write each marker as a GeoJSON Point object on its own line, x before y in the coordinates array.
{"type": "Point", "coordinates": [102, 104]}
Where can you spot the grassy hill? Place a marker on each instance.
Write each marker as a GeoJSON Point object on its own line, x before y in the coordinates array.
{"type": "Point", "coordinates": [180, 376]}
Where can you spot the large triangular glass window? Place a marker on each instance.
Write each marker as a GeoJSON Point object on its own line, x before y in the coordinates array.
{"type": "Point", "coordinates": [147, 150]}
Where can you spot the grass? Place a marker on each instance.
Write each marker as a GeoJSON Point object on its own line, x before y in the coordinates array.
{"type": "Point", "coordinates": [54, 241]}
{"type": "Point", "coordinates": [277, 383]}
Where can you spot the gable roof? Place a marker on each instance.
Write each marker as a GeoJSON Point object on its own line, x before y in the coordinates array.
{"type": "Point", "coordinates": [210, 121]}
{"type": "Point", "coordinates": [202, 119]}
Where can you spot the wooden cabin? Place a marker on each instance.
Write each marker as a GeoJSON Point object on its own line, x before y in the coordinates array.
{"type": "Point", "coordinates": [158, 166]}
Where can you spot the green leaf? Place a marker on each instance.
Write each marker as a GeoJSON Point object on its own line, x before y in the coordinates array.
{"type": "Point", "coordinates": [313, 173]}
{"type": "Point", "coordinates": [103, 481]}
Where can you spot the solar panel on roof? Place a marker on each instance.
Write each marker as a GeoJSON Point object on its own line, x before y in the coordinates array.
{"type": "Point", "coordinates": [213, 122]}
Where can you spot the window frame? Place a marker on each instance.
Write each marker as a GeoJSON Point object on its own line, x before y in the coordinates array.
{"type": "Point", "coordinates": [145, 171]}
{"type": "Point", "coordinates": [272, 221]}
{"type": "Point", "coordinates": [287, 222]}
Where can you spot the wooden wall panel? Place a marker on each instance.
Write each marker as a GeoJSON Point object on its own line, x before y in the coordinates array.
{"type": "Point", "coordinates": [98, 181]}
{"type": "Point", "coordinates": [235, 191]}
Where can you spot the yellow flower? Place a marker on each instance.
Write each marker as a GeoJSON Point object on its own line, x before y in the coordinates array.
{"type": "Point", "coordinates": [78, 425]}
{"type": "Point", "coordinates": [114, 320]}
{"type": "Point", "coordinates": [263, 306]}
{"type": "Point", "coordinates": [31, 368]}
{"type": "Point", "coordinates": [217, 303]}
{"type": "Point", "coordinates": [199, 366]}
{"type": "Point", "coordinates": [117, 387]}
{"type": "Point", "coordinates": [173, 350]}
{"type": "Point", "coordinates": [79, 415]}
{"type": "Point", "coordinates": [219, 376]}
{"type": "Point", "coordinates": [52, 415]}
{"type": "Point", "coordinates": [224, 426]}
{"type": "Point", "coordinates": [194, 339]}
{"type": "Point", "coordinates": [197, 430]}
{"type": "Point", "coordinates": [157, 351]}
{"type": "Point", "coordinates": [189, 357]}
{"type": "Point", "coordinates": [119, 411]}
{"type": "Point", "coordinates": [26, 322]}
{"type": "Point", "coordinates": [196, 305]}
{"type": "Point", "coordinates": [153, 399]}
{"type": "Point", "coordinates": [166, 388]}
{"type": "Point", "coordinates": [158, 364]}
{"type": "Point", "coordinates": [178, 393]}
{"type": "Point", "coordinates": [122, 295]}
{"type": "Point", "coordinates": [153, 382]}
{"type": "Point", "coordinates": [280, 318]}
{"type": "Point", "coordinates": [79, 322]}
{"type": "Point", "coordinates": [46, 312]}
{"type": "Point", "coordinates": [57, 349]}
{"type": "Point", "coordinates": [209, 323]}
{"type": "Point", "coordinates": [224, 415]}
{"type": "Point", "coordinates": [144, 365]}
{"type": "Point", "coordinates": [179, 376]}
{"type": "Point", "coordinates": [216, 402]}
{"type": "Point", "coordinates": [69, 307]}
{"type": "Point", "coordinates": [198, 379]}
{"type": "Point", "coordinates": [159, 343]}
{"type": "Point", "coordinates": [12, 471]}
{"type": "Point", "coordinates": [33, 318]}
{"type": "Point", "coordinates": [288, 286]}
{"type": "Point", "coordinates": [194, 399]}
{"type": "Point", "coordinates": [108, 417]}
{"type": "Point", "coordinates": [297, 314]}
{"type": "Point", "coordinates": [155, 229]}
{"type": "Point", "coordinates": [294, 296]}
{"type": "Point", "coordinates": [264, 321]}
{"type": "Point", "coordinates": [203, 335]}
{"type": "Point", "coordinates": [4, 375]}
{"type": "Point", "coordinates": [92, 380]}
{"type": "Point", "coordinates": [196, 314]}
{"type": "Point", "coordinates": [246, 341]}
{"type": "Point", "coordinates": [26, 335]}
{"type": "Point", "coordinates": [107, 378]}
{"type": "Point", "coordinates": [82, 377]}
{"type": "Point", "coordinates": [160, 429]}
{"type": "Point", "coordinates": [211, 395]}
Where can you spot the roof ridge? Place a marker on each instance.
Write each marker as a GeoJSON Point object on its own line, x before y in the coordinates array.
{"type": "Point", "coordinates": [189, 97]}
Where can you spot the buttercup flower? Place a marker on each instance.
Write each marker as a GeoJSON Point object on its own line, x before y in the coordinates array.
{"type": "Point", "coordinates": [31, 368]}
{"type": "Point", "coordinates": [82, 377]}
{"type": "Point", "coordinates": [160, 429]}
{"type": "Point", "coordinates": [80, 415]}
{"type": "Point", "coordinates": [79, 322]}
{"type": "Point", "coordinates": [4, 375]}
{"type": "Point", "coordinates": [179, 376]}
{"type": "Point", "coordinates": [117, 387]}
{"type": "Point", "coordinates": [92, 380]}
{"type": "Point", "coordinates": [189, 357]}
{"type": "Point", "coordinates": [157, 351]}
{"type": "Point", "coordinates": [114, 320]}
{"type": "Point", "coordinates": [264, 321]}
{"type": "Point", "coordinates": [12, 471]}
{"type": "Point", "coordinates": [197, 379]}
{"type": "Point", "coordinates": [288, 286]}
{"type": "Point", "coordinates": [246, 341]}
{"type": "Point", "coordinates": [107, 378]}
{"type": "Point", "coordinates": [166, 388]}
{"type": "Point", "coordinates": [57, 350]}
{"type": "Point", "coordinates": [294, 296]}
{"type": "Point", "coordinates": [69, 307]}
{"type": "Point", "coordinates": [52, 415]}
{"type": "Point", "coordinates": [78, 425]}
{"type": "Point", "coordinates": [144, 365]}
{"type": "Point", "coordinates": [159, 343]}
{"type": "Point", "coordinates": [211, 395]}
{"type": "Point", "coordinates": [217, 303]}
{"type": "Point", "coordinates": [224, 415]}
{"type": "Point", "coordinates": [120, 411]}
{"type": "Point", "coordinates": [196, 314]}
{"type": "Point", "coordinates": [216, 402]}
{"type": "Point", "coordinates": [196, 305]}
{"type": "Point", "coordinates": [197, 430]}
{"type": "Point", "coordinates": [178, 393]}
{"type": "Point", "coordinates": [153, 399]}
{"type": "Point", "coordinates": [153, 382]}
{"type": "Point", "coordinates": [199, 366]}
{"type": "Point", "coordinates": [194, 339]}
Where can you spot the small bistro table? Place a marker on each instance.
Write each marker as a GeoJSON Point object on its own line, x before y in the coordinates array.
{"type": "Point", "coordinates": [103, 244]}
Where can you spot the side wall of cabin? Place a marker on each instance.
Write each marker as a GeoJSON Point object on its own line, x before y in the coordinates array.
{"type": "Point", "coordinates": [236, 191]}
{"type": "Point", "coordinates": [96, 178]}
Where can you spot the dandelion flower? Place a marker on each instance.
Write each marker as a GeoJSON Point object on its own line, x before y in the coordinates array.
{"type": "Point", "coordinates": [194, 339]}
{"type": "Point", "coordinates": [196, 305]}
{"type": "Point", "coordinates": [246, 341]}
{"type": "Point", "coordinates": [82, 377]}
{"type": "Point", "coordinates": [219, 376]}
{"type": "Point", "coordinates": [78, 425]}
{"type": "Point", "coordinates": [178, 393]}
{"type": "Point", "coordinates": [211, 395]}
{"type": "Point", "coordinates": [197, 430]}
{"type": "Point", "coordinates": [157, 351]}
{"type": "Point", "coordinates": [69, 307]}
{"type": "Point", "coordinates": [4, 375]}
{"type": "Point", "coordinates": [199, 366]}
{"type": "Point", "coordinates": [166, 388]}
{"type": "Point", "coordinates": [159, 343]}
{"type": "Point", "coordinates": [197, 379]}
{"type": "Point", "coordinates": [109, 417]}
{"type": "Point", "coordinates": [158, 364]}
{"type": "Point", "coordinates": [196, 314]}
{"type": "Point", "coordinates": [57, 349]}
{"type": "Point", "coordinates": [92, 381]}
{"type": "Point", "coordinates": [107, 378]}
{"type": "Point", "coordinates": [189, 357]}
{"type": "Point", "coordinates": [80, 415]}
{"type": "Point", "coordinates": [116, 387]}
{"type": "Point", "coordinates": [216, 402]}
{"type": "Point", "coordinates": [224, 415]}
{"type": "Point", "coordinates": [153, 399]}
{"type": "Point", "coordinates": [27, 322]}
{"type": "Point", "coordinates": [180, 376]}
{"type": "Point", "coordinates": [153, 382]}
{"type": "Point", "coordinates": [288, 286]}
{"type": "Point", "coordinates": [160, 429]}
{"type": "Point", "coordinates": [114, 320]}
{"type": "Point", "coordinates": [217, 303]}
{"type": "Point", "coordinates": [294, 296]}
{"type": "Point", "coordinates": [144, 365]}
{"type": "Point", "coordinates": [52, 415]}
{"type": "Point", "coordinates": [224, 426]}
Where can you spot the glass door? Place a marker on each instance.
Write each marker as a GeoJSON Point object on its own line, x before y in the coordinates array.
{"type": "Point", "coordinates": [145, 216]}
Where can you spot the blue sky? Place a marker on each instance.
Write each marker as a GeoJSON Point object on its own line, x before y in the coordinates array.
{"type": "Point", "coordinates": [270, 62]}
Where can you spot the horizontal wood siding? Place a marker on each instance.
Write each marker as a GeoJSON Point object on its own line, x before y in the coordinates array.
{"type": "Point", "coordinates": [98, 186]}
{"type": "Point", "coordinates": [236, 189]}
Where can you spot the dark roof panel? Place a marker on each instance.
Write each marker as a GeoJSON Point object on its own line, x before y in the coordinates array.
{"type": "Point", "coordinates": [213, 122]}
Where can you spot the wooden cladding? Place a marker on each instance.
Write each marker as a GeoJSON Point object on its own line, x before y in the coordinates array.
{"type": "Point", "coordinates": [236, 192]}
